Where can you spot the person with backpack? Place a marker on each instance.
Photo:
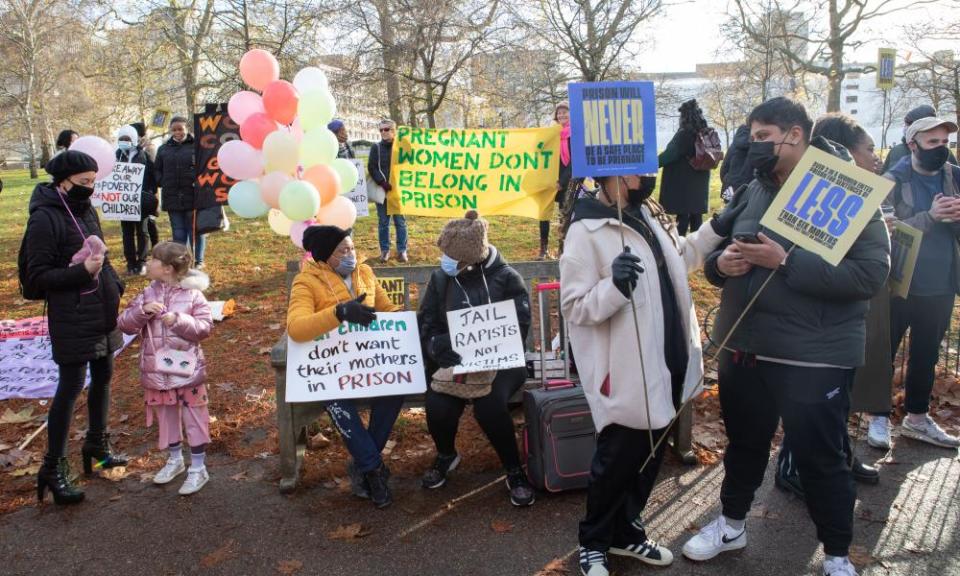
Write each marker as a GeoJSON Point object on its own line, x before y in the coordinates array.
{"type": "Point", "coordinates": [176, 176]}
{"type": "Point", "coordinates": [736, 172]}
{"type": "Point", "coordinates": [63, 261]}
{"type": "Point", "coordinates": [136, 235]}
{"type": "Point", "coordinates": [685, 187]}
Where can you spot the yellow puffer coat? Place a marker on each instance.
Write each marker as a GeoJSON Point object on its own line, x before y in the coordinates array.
{"type": "Point", "coordinates": [318, 289]}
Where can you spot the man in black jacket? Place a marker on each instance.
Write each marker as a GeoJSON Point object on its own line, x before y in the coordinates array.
{"type": "Point", "coordinates": [794, 352]}
{"type": "Point", "coordinates": [379, 167]}
{"type": "Point", "coordinates": [136, 237]}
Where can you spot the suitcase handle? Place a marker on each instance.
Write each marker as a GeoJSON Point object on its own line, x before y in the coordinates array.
{"type": "Point", "coordinates": [558, 384]}
{"type": "Point", "coordinates": [547, 287]}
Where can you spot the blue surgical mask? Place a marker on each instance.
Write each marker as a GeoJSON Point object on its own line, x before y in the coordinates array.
{"type": "Point", "coordinates": [347, 265]}
{"type": "Point", "coordinates": [125, 146]}
{"type": "Point", "coordinates": [449, 265]}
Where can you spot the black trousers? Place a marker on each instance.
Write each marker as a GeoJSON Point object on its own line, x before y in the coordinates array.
{"type": "Point", "coordinates": [813, 404]}
{"type": "Point", "coordinates": [691, 222]}
{"type": "Point", "coordinates": [491, 412]}
{"type": "Point", "coordinates": [72, 377]}
{"type": "Point", "coordinates": [618, 490]}
{"type": "Point", "coordinates": [135, 246]}
{"type": "Point", "coordinates": [152, 232]}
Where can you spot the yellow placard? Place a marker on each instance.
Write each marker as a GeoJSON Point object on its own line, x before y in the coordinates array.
{"type": "Point", "coordinates": [394, 288]}
{"type": "Point", "coordinates": [904, 249]}
{"type": "Point", "coordinates": [825, 204]}
{"type": "Point", "coordinates": [886, 63]}
{"type": "Point", "coordinates": [161, 116]}
{"type": "Point", "coordinates": [444, 172]}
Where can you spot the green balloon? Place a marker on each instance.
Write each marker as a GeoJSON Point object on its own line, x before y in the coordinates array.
{"type": "Point", "coordinates": [316, 109]}
{"type": "Point", "coordinates": [319, 146]}
{"type": "Point", "coordinates": [348, 174]}
{"type": "Point", "coordinates": [299, 200]}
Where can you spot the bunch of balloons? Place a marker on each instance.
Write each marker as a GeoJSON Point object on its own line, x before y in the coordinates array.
{"type": "Point", "coordinates": [286, 159]}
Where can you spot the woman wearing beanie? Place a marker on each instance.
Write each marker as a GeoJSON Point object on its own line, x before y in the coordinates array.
{"type": "Point", "coordinates": [561, 115]}
{"type": "Point", "coordinates": [471, 273]}
{"type": "Point", "coordinates": [330, 290]}
{"type": "Point", "coordinates": [66, 264]}
{"type": "Point", "coordinates": [598, 277]}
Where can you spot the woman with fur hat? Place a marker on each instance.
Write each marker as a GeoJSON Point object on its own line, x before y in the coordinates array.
{"type": "Point", "coordinates": [329, 290]}
{"type": "Point", "coordinates": [65, 262]}
{"type": "Point", "coordinates": [472, 273]}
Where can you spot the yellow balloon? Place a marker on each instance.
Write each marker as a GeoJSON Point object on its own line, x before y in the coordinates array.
{"type": "Point", "coordinates": [278, 222]}
{"type": "Point", "coordinates": [281, 152]}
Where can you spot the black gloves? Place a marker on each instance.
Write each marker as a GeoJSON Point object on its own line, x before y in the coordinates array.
{"type": "Point", "coordinates": [442, 351]}
{"type": "Point", "coordinates": [626, 270]}
{"type": "Point", "coordinates": [354, 311]}
{"type": "Point", "coordinates": [723, 223]}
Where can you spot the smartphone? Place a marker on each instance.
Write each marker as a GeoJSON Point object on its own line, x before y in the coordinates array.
{"type": "Point", "coordinates": [746, 238]}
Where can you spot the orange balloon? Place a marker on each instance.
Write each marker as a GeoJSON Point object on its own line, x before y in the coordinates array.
{"type": "Point", "coordinates": [326, 180]}
{"type": "Point", "coordinates": [280, 100]}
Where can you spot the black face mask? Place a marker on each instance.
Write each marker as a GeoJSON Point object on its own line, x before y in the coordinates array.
{"type": "Point", "coordinates": [79, 192]}
{"type": "Point", "coordinates": [762, 158]}
{"type": "Point", "coordinates": [931, 159]}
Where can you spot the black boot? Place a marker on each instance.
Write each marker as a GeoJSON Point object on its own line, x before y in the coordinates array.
{"type": "Point", "coordinates": [96, 447]}
{"type": "Point", "coordinates": [863, 473]}
{"type": "Point", "coordinates": [544, 250]}
{"type": "Point", "coordinates": [55, 475]}
{"type": "Point", "coordinates": [379, 491]}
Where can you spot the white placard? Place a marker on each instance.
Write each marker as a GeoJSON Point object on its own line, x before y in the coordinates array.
{"type": "Point", "coordinates": [383, 359]}
{"type": "Point", "coordinates": [118, 195]}
{"type": "Point", "coordinates": [359, 193]}
{"type": "Point", "coordinates": [486, 337]}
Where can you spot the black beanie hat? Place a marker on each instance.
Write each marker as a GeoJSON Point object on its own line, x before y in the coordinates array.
{"type": "Point", "coordinates": [321, 241]}
{"type": "Point", "coordinates": [922, 111]}
{"type": "Point", "coordinates": [140, 127]}
{"type": "Point", "coordinates": [68, 163]}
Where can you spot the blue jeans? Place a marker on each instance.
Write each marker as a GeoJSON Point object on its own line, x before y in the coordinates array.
{"type": "Point", "coordinates": [383, 232]}
{"type": "Point", "coordinates": [182, 223]}
{"type": "Point", "coordinates": [366, 444]}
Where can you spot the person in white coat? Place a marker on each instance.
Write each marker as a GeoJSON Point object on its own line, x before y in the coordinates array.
{"type": "Point", "coordinates": [597, 277]}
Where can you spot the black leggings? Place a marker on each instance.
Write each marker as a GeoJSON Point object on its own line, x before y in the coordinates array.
{"type": "Point", "coordinates": [690, 222]}
{"type": "Point", "coordinates": [544, 231]}
{"type": "Point", "coordinates": [491, 412]}
{"type": "Point", "coordinates": [72, 377]}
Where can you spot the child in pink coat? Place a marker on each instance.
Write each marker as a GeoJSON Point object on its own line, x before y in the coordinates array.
{"type": "Point", "coordinates": [172, 314]}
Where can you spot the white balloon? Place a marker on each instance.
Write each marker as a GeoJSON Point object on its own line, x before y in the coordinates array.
{"type": "Point", "coordinates": [310, 78]}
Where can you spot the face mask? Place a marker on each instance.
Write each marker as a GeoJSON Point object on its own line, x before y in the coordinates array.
{"type": "Point", "coordinates": [347, 265]}
{"type": "Point", "coordinates": [931, 159]}
{"type": "Point", "coordinates": [125, 146]}
{"type": "Point", "coordinates": [79, 192]}
{"type": "Point", "coordinates": [761, 157]}
{"type": "Point", "coordinates": [449, 265]}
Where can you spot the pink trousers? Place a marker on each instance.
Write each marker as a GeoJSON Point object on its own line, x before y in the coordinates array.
{"type": "Point", "coordinates": [179, 410]}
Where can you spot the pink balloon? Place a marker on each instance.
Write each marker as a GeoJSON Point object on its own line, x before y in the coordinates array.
{"type": "Point", "coordinates": [259, 68]}
{"type": "Point", "coordinates": [100, 150]}
{"type": "Point", "coordinates": [340, 212]}
{"type": "Point", "coordinates": [256, 128]}
{"type": "Point", "coordinates": [270, 187]}
{"type": "Point", "coordinates": [280, 100]}
{"type": "Point", "coordinates": [244, 104]}
{"type": "Point", "coordinates": [240, 160]}
{"type": "Point", "coordinates": [297, 230]}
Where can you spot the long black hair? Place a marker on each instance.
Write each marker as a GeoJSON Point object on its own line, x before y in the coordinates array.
{"type": "Point", "coordinates": [691, 116]}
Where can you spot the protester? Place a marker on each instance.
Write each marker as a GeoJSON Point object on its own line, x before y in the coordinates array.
{"type": "Point", "coordinates": [924, 196]}
{"type": "Point", "coordinates": [684, 190]}
{"type": "Point", "coordinates": [66, 260]}
{"type": "Point", "coordinates": [736, 172]}
{"type": "Point", "coordinates": [146, 144]}
{"type": "Point", "coordinates": [902, 150]}
{"type": "Point", "coordinates": [854, 144]}
{"type": "Point", "coordinates": [64, 139]}
{"type": "Point", "coordinates": [328, 291]}
{"type": "Point", "coordinates": [472, 273]}
{"type": "Point", "coordinates": [598, 279]}
{"type": "Point", "coordinates": [339, 130]}
{"type": "Point", "coordinates": [793, 355]}
{"type": "Point", "coordinates": [561, 115]}
{"type": "Point", "coordinates": [172, 314]}
{"type": "Point", "coordinates": [135, 233]}
{"type": "Point", "coordinates": [379, 167]}
{"type": "Point", "coordinates": [176, 175]}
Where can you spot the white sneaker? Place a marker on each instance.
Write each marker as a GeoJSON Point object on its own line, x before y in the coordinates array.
{"type": "Point", "coordinates": [878, 434]}
{"type": "Point", "coordinates": [928, 431]}
{"type": "Point", "coordinates": [839, 567]}
{"type": "Point", "coordinates": [196, 479]}
{"type": "Point", "coordinates": [714, 538]}
{"type": "Point", "coordinates": [170, 470]}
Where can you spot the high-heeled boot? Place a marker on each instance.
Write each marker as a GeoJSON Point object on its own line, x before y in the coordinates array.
{"type": "Point", "coordinates": [55, 475]}
{"type": "Point", "coordinates": [97, 454]}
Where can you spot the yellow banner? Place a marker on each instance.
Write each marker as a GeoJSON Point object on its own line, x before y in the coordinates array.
{"type": "Point", "coordinates": [444, 172]}
{"type": "Point", "coordinates": [825, 204]}
{"type": "Point", "coordinates": [394, 288]}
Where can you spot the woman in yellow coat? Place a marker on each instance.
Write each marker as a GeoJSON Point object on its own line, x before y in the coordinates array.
{"type": "Point", "coordinates": [328, 291]}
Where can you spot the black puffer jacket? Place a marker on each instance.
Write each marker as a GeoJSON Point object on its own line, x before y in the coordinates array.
{"type": "Point", "coordinates": [379, 162]}
{"type": "Point", "coordinates": [83, 326]}
{"type": "Point", "coordinates": [735, 170]}
{"type": "Point", "coordinates": [443, 294]}
{"type": "Point", "coordinates": [176, 174]}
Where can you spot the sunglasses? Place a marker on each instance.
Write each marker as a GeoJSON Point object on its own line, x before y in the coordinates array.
{"type": "Point", "coordinates": [386, 129]}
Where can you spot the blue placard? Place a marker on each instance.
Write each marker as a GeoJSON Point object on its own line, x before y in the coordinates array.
{"type": "Point", "coordinates": [613, 128]}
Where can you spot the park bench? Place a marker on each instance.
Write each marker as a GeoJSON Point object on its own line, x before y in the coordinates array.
{"type": "Point", "coordinates": [294, 418]}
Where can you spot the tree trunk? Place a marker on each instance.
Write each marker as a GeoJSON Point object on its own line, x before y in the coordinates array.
{"type": "Point", "coordinates": [390, 59]}
{"type": "Point", "coordinates": [31, 139]}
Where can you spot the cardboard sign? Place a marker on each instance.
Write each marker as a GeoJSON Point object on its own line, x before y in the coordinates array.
{"type": "Point", "coordinates": [395, 288]}
{"type": "Point", "coordinates": [613, 128]}
{"type": "Point", "coordinates": [825, 204]}
{"type": "Point", "coordinates": [161, 117]}
{"type": "Point", "coordinates": [352, 361]}
{"type": "Point", "coordinates": [212, 128]}
{"type": "Point", "coordinates": [118, 195]}
{"type": "Point", "coordinates": [886, 62]}
{"type": "Point", "coordinates": [486, 337]}
{"type": "Point", "coordinates": [904, 249]}
{"type": "Point", "coordinates": [443, 173]}
{"type": "Point", "coordinates": [359, 193]}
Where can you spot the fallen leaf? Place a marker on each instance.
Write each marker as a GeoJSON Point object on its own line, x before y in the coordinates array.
{"type": "Point", "coordinates": [265, 350]}
{"type": "Point", "coordinates": [11, 417]}
{"type": "Point", "coordinates": [349, 532]}
{"type": "Point", "coordinates": [501, 526]}
{"type": "Point", "coordinates": [860, 557]}
{"type": "Point", "coordinates": [241, 475]}
{"type": "Point", "coordinates": [289, 566]}
{"type": "Point", "coordinates": [274, 326]}
{"type": "Point", "coordinates": [219, 555]}
{"type": "Point", "coordinates": [318, 441]}
{"type": "Point", "coordinates": [4, 446]}
{"type": "Point", "coordinates": [124, 418]}
{"type": "Point", "coordinates": [115, 497]}
{"type": "Point", "coordinates": [556, 567]}
{"type": "Point", "coordinates": [29, 470]}
{"type": "Point", "coordinates": [15, 458]}
{"type": "Point", "coordinates": [915, 548]}
{"type": "Point", "coordinates": [114, 474]}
